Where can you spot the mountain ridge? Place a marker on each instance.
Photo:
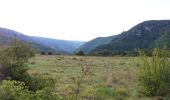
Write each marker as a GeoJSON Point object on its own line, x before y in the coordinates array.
{"type": "Point", "coordinates": [40, 43]}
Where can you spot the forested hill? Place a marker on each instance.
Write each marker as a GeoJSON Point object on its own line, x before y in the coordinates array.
{"type": "Point", "coordinates": [87, 47]}
{"type": "Point", "coordinates": [145, 35]}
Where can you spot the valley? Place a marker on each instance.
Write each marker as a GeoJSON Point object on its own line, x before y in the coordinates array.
{"type": "Point", "coordinates": [132, 65]}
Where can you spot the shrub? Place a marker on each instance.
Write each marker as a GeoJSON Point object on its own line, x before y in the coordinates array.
{"type": "Point", "coordinates": [50, 53]}
{"type": "Point", "coordinates": [37, 82]}
{"type": "Point", "coordinates": [80, 53]}
{"type": "Point", "coordinates": [154, 73]}
{"type": "Point", "coordinates": [14, 90]}
{"type": "Point", "coordinates": [14, 58]}
{"type": "Point", "coordinates": [43, 53]}
{"type": "Point", "coordinates": [47, 94]}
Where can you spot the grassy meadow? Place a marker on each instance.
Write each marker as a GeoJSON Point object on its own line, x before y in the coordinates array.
{"type": "Point", "coordinates": [108, 77]}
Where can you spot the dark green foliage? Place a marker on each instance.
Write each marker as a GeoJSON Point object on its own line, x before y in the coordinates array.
{"type": "Point", "coordinates": [101, 53]}
{"type": "Point", "coordinates": [87, 47]}
{"type": "Point", "coordinates": [50, 53]}
{"type": "Point", "coordinates": [43, 53]}
{"type": "Point", "coordinates": [109, 53]}
{"type": "Point", "coordinates": [80, 53]}
{"type": "Point", "coordinates": [104, 53]}
{"type": "Point", "coordinates": [154, 73]}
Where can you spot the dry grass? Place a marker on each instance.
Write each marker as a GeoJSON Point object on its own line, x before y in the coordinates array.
{"type": "Point", "coordinates": [112, 72]}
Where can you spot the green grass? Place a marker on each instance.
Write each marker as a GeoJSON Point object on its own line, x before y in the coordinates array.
{"type": "Point", "coordinates": [120, 73]}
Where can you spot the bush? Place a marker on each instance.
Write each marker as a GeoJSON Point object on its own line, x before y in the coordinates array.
{"type": "Point", "coordinates": [50, 53]}
{"type": "Point", "coordinates": [14, 90]}
{"type": "Point", "coordinates": [154, 73]}
{"type": "Point", "coordinates": [47, 94]}
{"type": "Point", "coordinates": [36, 82]}
{"type": "Point", "coordinates": [43, 53]}
{"type": "Point", "coordinates": [80, 53]}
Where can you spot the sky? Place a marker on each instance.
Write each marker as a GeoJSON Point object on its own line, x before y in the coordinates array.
{"type": "Point", "coordinates": [79, 19]}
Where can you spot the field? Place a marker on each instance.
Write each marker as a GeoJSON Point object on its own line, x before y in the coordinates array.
{"type": "Point", "coordinates": [113, 77]}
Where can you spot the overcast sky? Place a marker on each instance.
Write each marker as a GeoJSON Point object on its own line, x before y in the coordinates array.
{"type": "Point", "coordinates": [79, 19]}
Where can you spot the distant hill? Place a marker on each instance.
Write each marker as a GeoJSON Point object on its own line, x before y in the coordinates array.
{"type": "Point", "coordinates": [39, 43]}
{"type": "Point", "coordinates": [89, 46]}
{"type": "Point", "coordinates": [145, 35]}
{"type": "Point", "coordinates": [65, 45]}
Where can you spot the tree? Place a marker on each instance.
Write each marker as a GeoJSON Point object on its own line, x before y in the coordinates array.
{"type": "Point", "coordinates": [43, 53]}
{"type": "Point", "coordinates": [50, 53]}
{"type": "Point", "coordinates": [13, 59]}
{"type": "Point", "coordinates": [80, 53]}
{"type": "Point", "coordinates": [13, 64]}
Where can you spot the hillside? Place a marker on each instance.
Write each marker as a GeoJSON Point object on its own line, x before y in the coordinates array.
{"type": "Point", "coordinates": [39, 43]}
{"type": "Point", "coordinates": [87, 47]}
{"type": "Point", "coordinates": [145, 35]}
{"type": "Point", "coordinates": [65, 45]}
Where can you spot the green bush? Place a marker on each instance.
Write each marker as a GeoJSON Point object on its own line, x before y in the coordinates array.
{"type": "Point", "coordinates": [13, 59]}
{"type": "Point", "coordinates": [37, 82]}
{"type": "Point", "coordinates": [14, 90]}
{"type": "Point", "coordinates": [154, 74]}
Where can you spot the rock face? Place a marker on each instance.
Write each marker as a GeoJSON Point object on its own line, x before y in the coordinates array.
{"type": "Point", "coordinates": [145, 35]}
